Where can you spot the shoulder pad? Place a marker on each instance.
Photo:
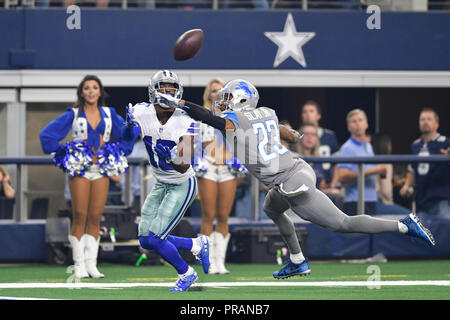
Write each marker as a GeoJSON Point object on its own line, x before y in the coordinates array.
{"type": "Point", "coordinates": [142, 104]}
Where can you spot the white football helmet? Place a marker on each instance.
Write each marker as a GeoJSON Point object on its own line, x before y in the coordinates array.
{"type": "Point", "coordinates": [164, 76]}
{"type": "Point", "coordinates": [237, 95]}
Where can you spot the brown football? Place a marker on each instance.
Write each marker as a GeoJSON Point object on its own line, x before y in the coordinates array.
{"type": "Point", "coordinates": [188, 44]}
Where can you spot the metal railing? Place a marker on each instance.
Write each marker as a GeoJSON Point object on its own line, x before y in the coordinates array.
{"type": "Point", "coordinates": [20, 212]}
{"type": "Point", "coordinates": [361, 161]}
{"type": "Point", "coordinates": [20, 208]}
{"type": "Point", "coordinates": [235, 4]}
{"type": "Point", "coordinates": [378, 159]}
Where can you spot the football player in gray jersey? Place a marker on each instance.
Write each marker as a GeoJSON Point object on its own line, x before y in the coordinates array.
{"type": "Point", "coordinates": [253, 135]}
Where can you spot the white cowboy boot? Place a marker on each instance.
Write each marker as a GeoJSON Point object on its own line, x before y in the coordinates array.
{"type": "Point", "coordinates": [78, 256]}
{"type": "Point", "coordinates": [221, 252]}
{"type": "Point", "coordinates": [213, 254]}
{"type": "Point", "coordinates": [90, 256]}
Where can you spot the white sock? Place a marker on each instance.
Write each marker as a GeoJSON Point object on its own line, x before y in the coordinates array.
{"type": "Point", "coordinates": [402, 228]}
{"type": "Point", "coordinates": [189, 271]}
{"type": "Point", "coordinates": [297, 258]}
{"type": "Point", "coordinates": [196, 246]}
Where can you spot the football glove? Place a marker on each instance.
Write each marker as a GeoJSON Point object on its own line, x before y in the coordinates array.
{"type": "Point", "coordinates": [165, 152]}
{"type": "Point", "coordinates": [166, 100]}
{"type": "Point", "coordinates": [130, 121]}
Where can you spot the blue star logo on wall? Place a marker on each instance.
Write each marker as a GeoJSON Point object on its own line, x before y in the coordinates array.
{"type": "Point", "coordinates": [290, 42]}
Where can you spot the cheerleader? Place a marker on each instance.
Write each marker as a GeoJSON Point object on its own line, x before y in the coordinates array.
{"type": "Point", "coordinates": [216, 172]}
{"type": "Point", "coordinates": [89, 160]}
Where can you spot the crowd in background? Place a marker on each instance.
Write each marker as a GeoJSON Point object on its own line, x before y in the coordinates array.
{"type": "Point", "coordinates": [386, 191]}
{"type": "Point", "coordinates": [230, 4]}
{"type": "Point", "coordinates": [425, 185]}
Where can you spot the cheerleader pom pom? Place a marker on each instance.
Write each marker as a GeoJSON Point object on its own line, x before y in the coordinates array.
{"type": "Point", "coordinates": [200, 167]}
{"type": "Point", "coordinates": [236, 167]}
{"type": "Point", "coordinates": [112, 160]}
{"type": "Point", "coordinates": [73, 158]}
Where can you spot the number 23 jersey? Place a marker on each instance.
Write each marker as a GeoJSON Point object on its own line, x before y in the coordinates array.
{"type": "Point", "coordinates": [168, 134]}
{"type": "Point", "coordinates": [256, 143]}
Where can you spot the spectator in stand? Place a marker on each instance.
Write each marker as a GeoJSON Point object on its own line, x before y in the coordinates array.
{"type": "Point", "coordinates": [357, 145]}
{"type": "Point", "coordinates": [7, 195]}
{"type": "Point", "coordinates": [382, 145]}
{"type": "Point", "coordinates": [6, 190]}
{"type": "Point", "coordinates": [432, 179]}
{"type": "Point", "coordinates": [309, 146]}
{"type": "Point", "coordinates": [312, 113]}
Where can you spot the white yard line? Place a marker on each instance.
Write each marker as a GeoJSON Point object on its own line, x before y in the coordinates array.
{"type": "Point", "coordinates": [24, 298]}
{"type": "Point", "coordinates": [99, 285]}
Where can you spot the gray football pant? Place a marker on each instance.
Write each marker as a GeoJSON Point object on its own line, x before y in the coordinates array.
{"type": "Point", "coordinates": [313, 205]}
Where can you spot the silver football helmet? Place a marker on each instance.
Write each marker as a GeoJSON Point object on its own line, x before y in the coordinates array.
{"type": "Point", "coordinates": [164, 76]}
{"type": "Point", "coordinates": [237, 95]}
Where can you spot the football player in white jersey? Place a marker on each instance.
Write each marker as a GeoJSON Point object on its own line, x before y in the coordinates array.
{"type": "Point", "coordinates": [168, 136]}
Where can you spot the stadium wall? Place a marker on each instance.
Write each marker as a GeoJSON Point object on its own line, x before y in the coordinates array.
{"type": "Point", "coordinates": [143, 39]}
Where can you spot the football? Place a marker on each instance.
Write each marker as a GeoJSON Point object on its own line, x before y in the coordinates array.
{"type": "Point", "coordinates": [188, 44]}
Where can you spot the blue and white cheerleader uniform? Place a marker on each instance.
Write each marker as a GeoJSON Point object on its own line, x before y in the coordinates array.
{"type": "Point", "coordinates": [76, 156]}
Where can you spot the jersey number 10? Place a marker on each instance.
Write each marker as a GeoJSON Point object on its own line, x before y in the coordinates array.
{"type": "Point", "coordinates": [149, 146]}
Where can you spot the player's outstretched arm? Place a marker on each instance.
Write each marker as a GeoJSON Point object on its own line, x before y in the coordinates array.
{"type": "Point", "coordinates": [204, 115]}
{"type": "Point", "coordinates": [288, 134]}
{"type": "Point", "coordinates": [196, 112]}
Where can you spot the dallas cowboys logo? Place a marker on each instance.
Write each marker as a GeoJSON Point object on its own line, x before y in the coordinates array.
{"type": "Point", "coordinates": [290, 42]}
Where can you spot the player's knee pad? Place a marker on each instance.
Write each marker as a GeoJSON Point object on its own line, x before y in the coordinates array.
{"type": "Point", "coordinates": [274, 204]}
{"type": "Point", "coordinates": [267, 208]}
{"type": "Point", "coordinates": [143, 241]}
{"type": "Point", "coordinates": [272, 214]}
{"type": "Point", "coordinates": [342, 226]}
{"type": "Point", "coordinates": [151, 241]}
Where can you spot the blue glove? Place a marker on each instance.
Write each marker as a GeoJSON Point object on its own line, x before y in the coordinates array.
{"type": "Point", "coordinates": [165, 152]}
{"type": "Point", "coordinates": [130, 121]}
{"type": "Point", "coordinates": [236, 167]}
{"type": "Point", "coordinates": [166, 100]}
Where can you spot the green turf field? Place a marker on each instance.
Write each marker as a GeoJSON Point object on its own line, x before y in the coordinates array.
{"type": "Point", "coordinates": [329, 280]}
